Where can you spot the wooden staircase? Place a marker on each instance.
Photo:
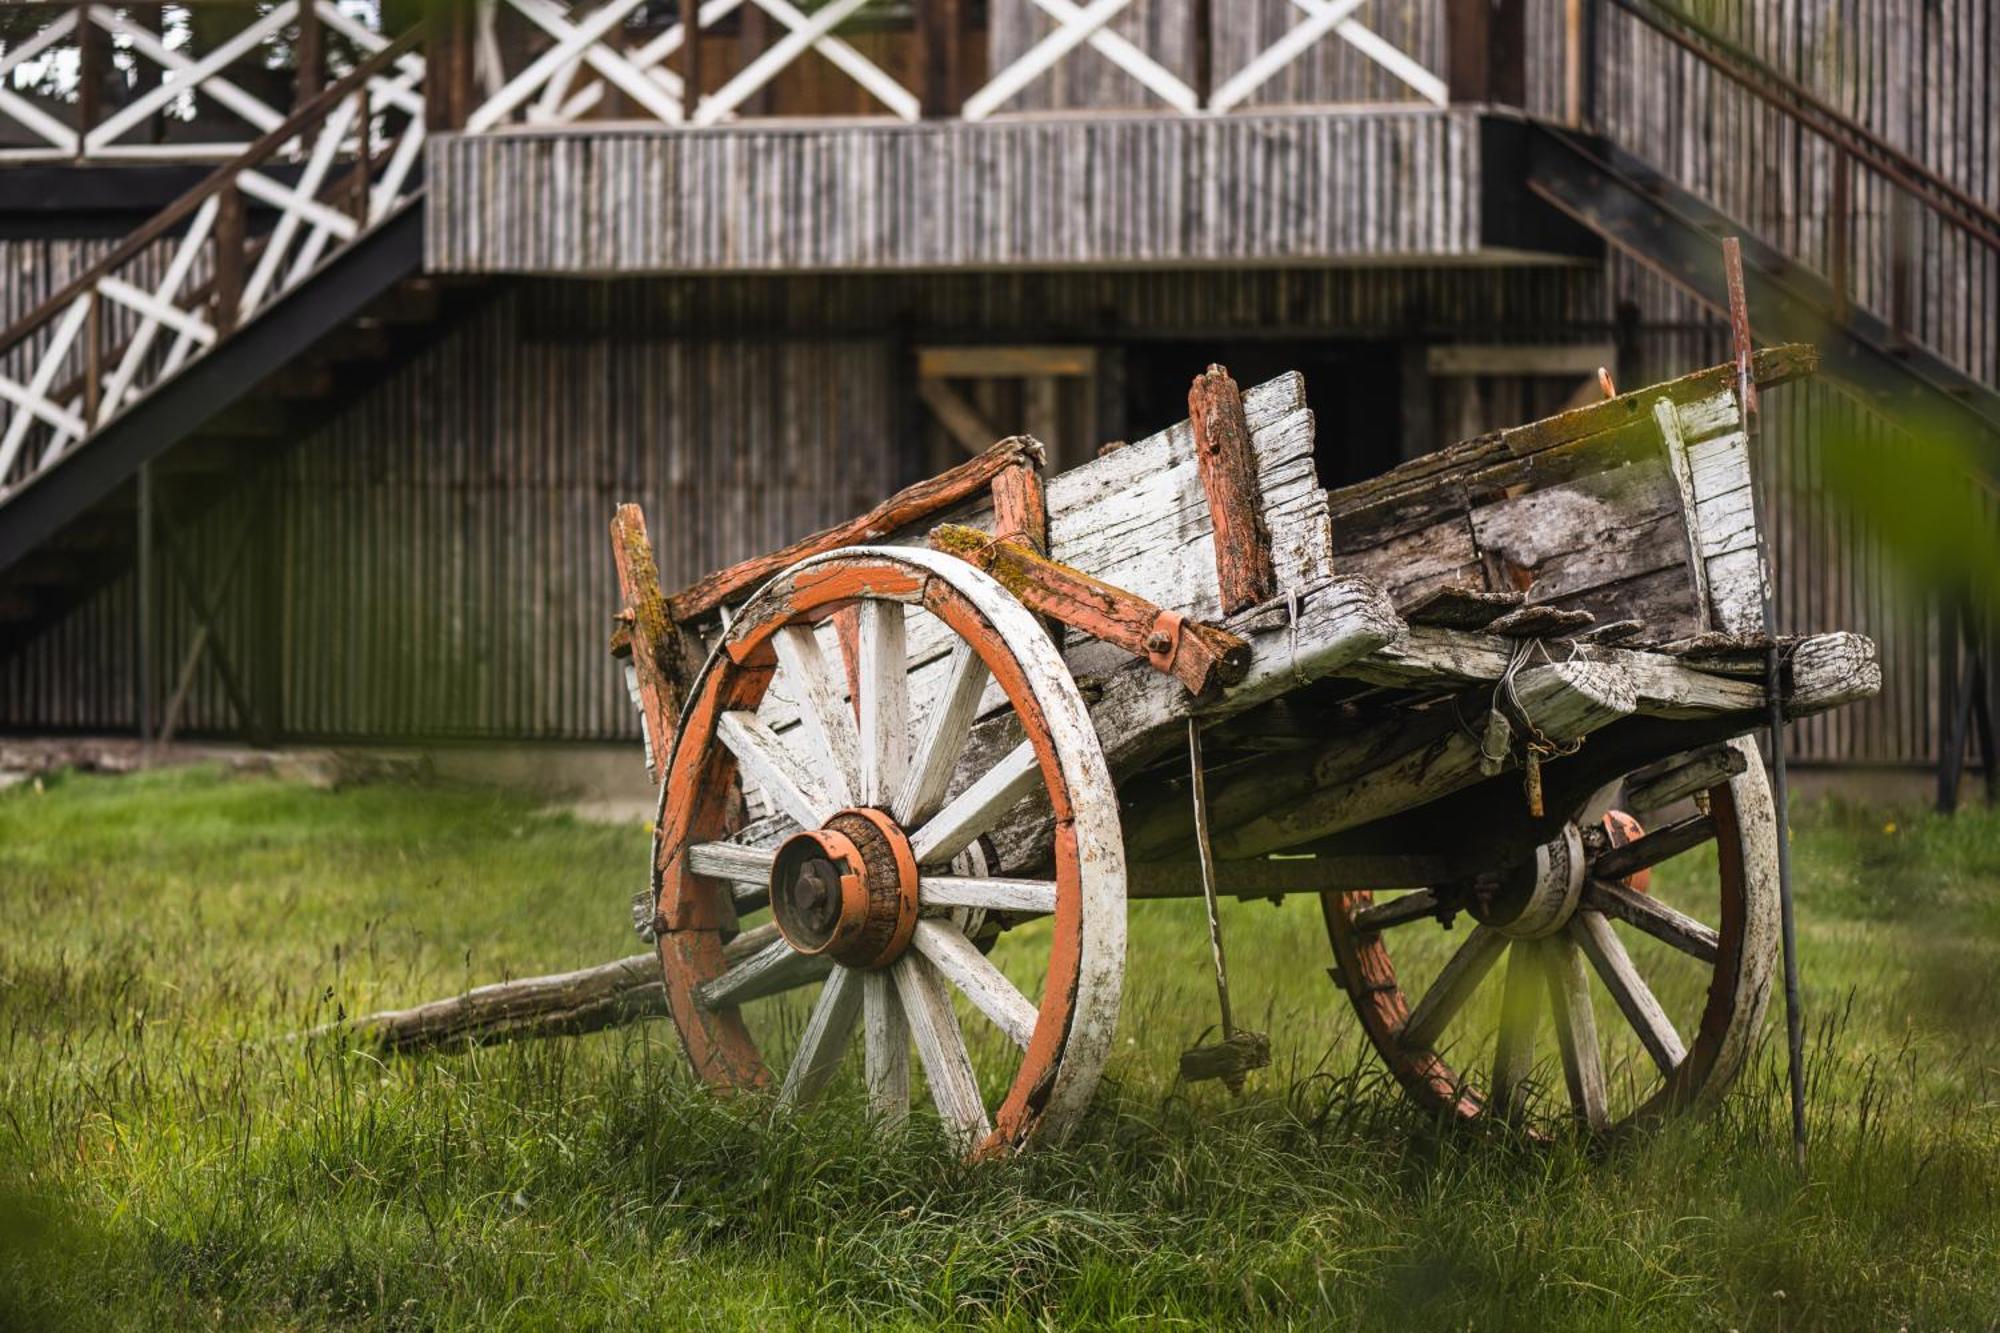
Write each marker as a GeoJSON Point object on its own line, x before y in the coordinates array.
{"type": "Point", "coordinates": [211, 336]}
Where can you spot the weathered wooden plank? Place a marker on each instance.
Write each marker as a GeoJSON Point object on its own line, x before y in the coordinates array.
{"type": "Point", "coordinates": [1228, 469]}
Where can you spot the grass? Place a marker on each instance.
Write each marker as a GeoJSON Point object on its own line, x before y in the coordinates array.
{"type": "Point", "coordinates": [166, 1159]}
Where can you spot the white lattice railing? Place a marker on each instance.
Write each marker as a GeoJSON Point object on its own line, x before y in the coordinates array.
{"type": "Point", "coordinates": [121, 82]}
{"type": "Point", "coordinates": [542, 62]}
{"type": "Point", "coordinates": [318, 179]}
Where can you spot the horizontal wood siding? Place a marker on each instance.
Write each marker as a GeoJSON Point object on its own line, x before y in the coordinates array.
{"type": "Point", "coordinates": [1099, 191]}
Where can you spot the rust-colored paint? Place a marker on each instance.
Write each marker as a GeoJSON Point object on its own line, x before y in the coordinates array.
{"type": "Point", "coordinates": [906, 881]}
{"type": "Point", "coordinates": [1199, 656]}
{"type": "Point", "coordinates": [910, 505]}
{"type": "Point", "coordinates": [1020, 506]}
{"type": "Point", "coordinates": [1621, 829]}
{"type": "Point", "coordinates": [1228, 467]}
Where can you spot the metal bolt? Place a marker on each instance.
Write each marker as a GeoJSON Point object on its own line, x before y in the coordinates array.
{"type": "Point", "coordinates": [1158, 642]}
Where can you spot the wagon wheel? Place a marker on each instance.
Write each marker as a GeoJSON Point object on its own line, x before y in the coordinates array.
{"type": "Point", "coordinates": [1687, 998]}
{"type": "Point", "coordinates": [881, 894]}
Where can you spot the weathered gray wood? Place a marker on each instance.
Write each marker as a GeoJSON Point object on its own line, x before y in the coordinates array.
{"type": "Point", "coordinates": [1634, 997]}
{"type": "Point", "coordinates": [828, 1033]}
{"type": "Point", "coordinates": [1567, 701]}
{"type": "Point", "coordinates": [1452, 987]}
{"type": "Point", "coordinates": [1655, 918]}
{"type": "Point", "coordinates": [1681, 777]}
{"type": "Point", "coordinates": [561, 1004]}
{"type": "Point", "coordinates": [959, 961]}
{"type": "Point", "coordinates": [886, 1048]}
{"type": "Point", "coordinates": [1576, 1031]}
{"type": "Point", "coordinates": [1520, 1015]}
{"type": "Point", "coordinates": [934, 1029]}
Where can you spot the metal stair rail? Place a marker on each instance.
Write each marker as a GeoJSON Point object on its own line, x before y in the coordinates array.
{"type": "Point", "coordinates": [327, 176]}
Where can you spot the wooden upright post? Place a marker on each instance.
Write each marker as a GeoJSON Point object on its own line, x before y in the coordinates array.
{"type": "Point", "coordinates": [690, 59]}
{"type": "Point", "coordinates": [1201, 48]}
{"type": "Point", "coordinates": [92, 60]}
{"type": "Point", "coordinates": [1487, 45]}
{"type": "Point", "coordinates": [1228, 467]}
{"type": "Point", "coordinates": [230, 239]}
{"type": "Point", "coordinates": [941, 55]}
{"type": "Point", "coordinates": [309, 77]}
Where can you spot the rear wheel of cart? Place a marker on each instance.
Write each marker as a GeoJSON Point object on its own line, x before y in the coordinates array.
{"type": "Point", "coordinates": [891, 707]}
{"type": "Point", "coordinates": [1682, 944]}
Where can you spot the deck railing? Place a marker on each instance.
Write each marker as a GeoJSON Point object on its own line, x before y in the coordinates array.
{"type": "Point", "coordinates": [197, 80]}
{"type": "Point", "coordinates": [320, 178]}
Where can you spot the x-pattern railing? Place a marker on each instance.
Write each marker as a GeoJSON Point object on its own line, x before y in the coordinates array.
{"type": "Point", "coordinates": [201, 105]}
{"type": "Point", "coordinates": [322, 177]}
{"type": "Point", "coordinates": [576, 54]}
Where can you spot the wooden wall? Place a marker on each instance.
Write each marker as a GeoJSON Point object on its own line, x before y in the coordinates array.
{"type": "Point", "coordinates": [1382, 185]}
{"type": "Point", "coordinates": [1924, 75]}
{"type": "Point", "coordinates": [430, 562]}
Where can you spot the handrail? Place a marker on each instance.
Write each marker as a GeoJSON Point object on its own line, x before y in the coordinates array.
{"type": "Point", "coordinates": [1850, 136]}
{"type": "Point", "coordinates": [216, 181]}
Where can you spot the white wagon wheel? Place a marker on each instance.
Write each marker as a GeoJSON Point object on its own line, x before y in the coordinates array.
{"type": "Point", "coordinates": [866, 902]}
{"type": "Point", "coordinates": [1555, 925]}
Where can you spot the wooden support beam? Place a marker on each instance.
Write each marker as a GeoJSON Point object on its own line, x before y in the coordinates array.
{"type": "Point", "coordinates": [941, 35]}
{"type": "Point", "coordinates": [1196, 654]}
{"type": "Point", "coordinates": [93, 58]}
{"type": "Point", "coordinates": [691, 59]}
{"type": "Point", "coordinates": [655, 643]}
{"type": "Point", "coordinates": [1020, 508]}
{"type": "Point", "coordinates": [1228, 469]}
{"type": "Point", "coordinates": [912, 504]}
{"type": "Point", "coordinates": [308, 57]}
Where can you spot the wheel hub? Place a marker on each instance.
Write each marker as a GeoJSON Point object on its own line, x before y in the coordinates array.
{"type": "Point", "coordinates": [847, 889]}
{"type": "Point", "coordinates": [1539, 897]}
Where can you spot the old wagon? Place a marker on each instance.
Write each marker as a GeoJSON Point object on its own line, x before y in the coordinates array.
{"type": "Point", "coordinates": [1471, 704]}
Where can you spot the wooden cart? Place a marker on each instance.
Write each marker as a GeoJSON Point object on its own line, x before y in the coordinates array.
{"type": "Point", "coordinates": [884, 747]}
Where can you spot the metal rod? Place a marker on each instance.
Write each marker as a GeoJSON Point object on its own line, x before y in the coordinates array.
{"type": "Point", "coordinates": [1746, 396]}
{"type": "Point", "coordinates": [1207, 855]}
{"type": "Point", "coordinates": [144, 576]}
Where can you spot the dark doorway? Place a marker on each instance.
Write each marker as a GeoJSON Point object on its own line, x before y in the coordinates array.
{"type": "Point", "coordinates": [1353, 387]}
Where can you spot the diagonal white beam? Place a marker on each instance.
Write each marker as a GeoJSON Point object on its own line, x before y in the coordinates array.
{"type": "Point", "coordinates": [179, 74]}
{"type": "Point", "coordinates": [1128, 57]}
{"type": "Point", "coordinates": [1040, 58]}
{"type": "Point", "coordinates": [809, 33]}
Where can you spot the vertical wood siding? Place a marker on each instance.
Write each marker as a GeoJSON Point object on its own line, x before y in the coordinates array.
{"type": "Point", "coordinates": [437, 564]}
{"type": "Point", "coordinates": [1098, 191]}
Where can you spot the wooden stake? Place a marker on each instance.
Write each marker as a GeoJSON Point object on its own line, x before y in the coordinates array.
{"type": "Point", "coordinates": [1229, 474]}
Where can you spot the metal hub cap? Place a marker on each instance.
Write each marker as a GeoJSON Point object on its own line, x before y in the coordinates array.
{"type": "Point", "coordinates": [847, 889]}
{"type": "Point", "coordinates": [1540, 898]}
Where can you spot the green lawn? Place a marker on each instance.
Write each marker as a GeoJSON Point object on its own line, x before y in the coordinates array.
{"type": "Point", "coordinates": [168, 1158]}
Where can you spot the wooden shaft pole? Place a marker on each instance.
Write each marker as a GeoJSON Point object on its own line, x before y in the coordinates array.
{"type": "Point", "coordinates": [691, 59]}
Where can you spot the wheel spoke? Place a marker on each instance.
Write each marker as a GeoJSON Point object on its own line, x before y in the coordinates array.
{"type": "Point", "coordinates": [1000, 895]}
{"type": "Point", "coordinates": [731, 861]}
{"type": "Point", "coordinates": [945, 732]}
{"type": "Point", "coordinates": [826, 1037]}
{"type": "Point", "coordinates": [828, 723]}
{"type": "Point", "coordinates": [941, 1047]}
{"type": "Point", "coordinates": [1655, 847]}
{"type": "Point", "coordinates": [765, 763]}
{"type": "Point", "coordinates": [1576, 1030]}
{"type": "Point", "coordinates": [885, 1041]}
{"type": "Point", "coordinates": [775, 967]}
{"type": "Point", "coordinates": [1460, 976]}
{"type": "Point", "coordinates": [1628, 988]}
{"type": "Point", "coordinates": [978, 808]}
{"type": "Point", "coordinates": [1520, 1014]}
{"type": "Point", "coordinates": [959, 961]}
{"type": "Point", "coordinates": [884, 685]}
{"type": "Point", "coordinates": [1654, 917]}
{"type": "Point", "coordinates": [1412, 906]}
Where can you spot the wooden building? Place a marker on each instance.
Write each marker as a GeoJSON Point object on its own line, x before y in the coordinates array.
{"type": "Point", "coordinates": [329, 356]}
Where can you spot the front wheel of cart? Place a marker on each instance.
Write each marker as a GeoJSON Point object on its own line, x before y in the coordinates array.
{"type": "Point", "coordinates": [954, 718]}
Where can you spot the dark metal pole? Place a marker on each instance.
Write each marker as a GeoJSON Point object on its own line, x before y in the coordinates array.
{"type": "Point", "coordinates": [144, 654]}
{"type": "Point", "coordinates": [1746, 397]}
